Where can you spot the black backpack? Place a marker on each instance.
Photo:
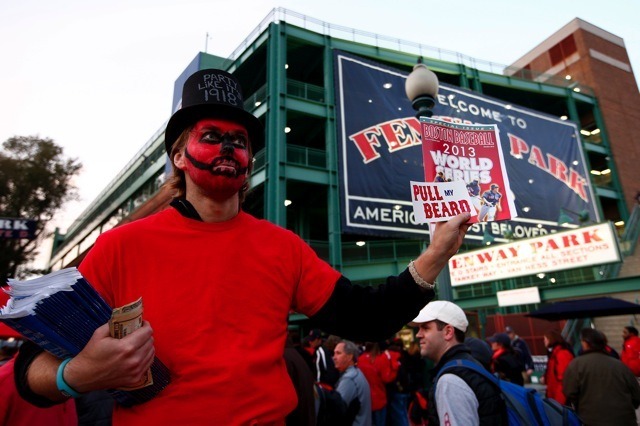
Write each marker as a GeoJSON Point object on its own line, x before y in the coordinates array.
{"type": "Point", "coordinates": [333, 411]}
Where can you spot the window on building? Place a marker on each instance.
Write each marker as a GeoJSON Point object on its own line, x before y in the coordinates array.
{"type": "Point", "coordinates": [562, 50]}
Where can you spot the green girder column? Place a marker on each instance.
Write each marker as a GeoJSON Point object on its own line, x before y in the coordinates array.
{"type": "Point", "coordinates": [574, 116]}
{"type": "Point", "coordinates": [622, 204]}
{"type": "Point", "coordinates": [333, 193]}
{"type": "Point", "coordinates": [275, 181]}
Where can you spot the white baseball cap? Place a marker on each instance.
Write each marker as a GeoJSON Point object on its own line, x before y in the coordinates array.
{"type": "Point", "coordinates": [444, 311]}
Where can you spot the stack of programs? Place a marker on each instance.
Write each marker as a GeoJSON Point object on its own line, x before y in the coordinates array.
{"type": "Point", "coordinates": [60, 311]}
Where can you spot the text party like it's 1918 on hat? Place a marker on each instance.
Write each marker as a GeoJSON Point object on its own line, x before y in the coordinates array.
{"type": "Point", "coordinates": [212, 93]}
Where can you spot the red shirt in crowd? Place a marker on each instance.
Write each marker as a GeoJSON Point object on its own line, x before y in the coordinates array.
{"type": "Point", "coordinates": [15, 411]}
{"type": "Point", "coordinates": [379, 370]}
{"type": "Point", "coordinates": [630, 355]}
{"type": "Point", "coordinates": [559, 360]}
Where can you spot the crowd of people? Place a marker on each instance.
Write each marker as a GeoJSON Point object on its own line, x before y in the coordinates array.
{"type": "Point", "coordinates": [364, 382]}
{"type": "Point", "coordinates": [593, 381]}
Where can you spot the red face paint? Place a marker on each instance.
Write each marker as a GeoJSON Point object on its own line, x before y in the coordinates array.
{"type": "Point", "coordinates": [217, 157]}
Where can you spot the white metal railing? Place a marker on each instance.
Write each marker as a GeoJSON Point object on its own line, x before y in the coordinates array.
{"type": "Point", "coordinates": [381, 41]}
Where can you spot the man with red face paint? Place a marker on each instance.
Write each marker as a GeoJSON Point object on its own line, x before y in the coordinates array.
{"type": "Point", "coordinates": [218, 284]}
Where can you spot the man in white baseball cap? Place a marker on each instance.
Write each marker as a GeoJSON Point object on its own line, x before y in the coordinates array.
{"type": "Point", "coordinates": [460, 396]}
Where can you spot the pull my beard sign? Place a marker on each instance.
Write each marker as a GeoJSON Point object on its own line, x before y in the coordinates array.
{"type": "Point", "coordinates": [436, 202]}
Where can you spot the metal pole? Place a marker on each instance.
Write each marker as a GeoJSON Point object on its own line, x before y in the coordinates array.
{"type": "Point", "coordinates": [445, 292]}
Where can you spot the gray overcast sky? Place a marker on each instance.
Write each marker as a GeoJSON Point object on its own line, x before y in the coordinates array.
{"type": "Point", "coordinates": [97, 76]}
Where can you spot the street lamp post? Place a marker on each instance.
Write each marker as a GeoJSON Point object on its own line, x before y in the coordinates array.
{"type": "Point", "coordinates": [421, 87]}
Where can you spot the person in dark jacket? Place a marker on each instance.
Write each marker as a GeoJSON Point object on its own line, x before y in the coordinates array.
{"type": "Point", "coordinates": [505, 360]}
{"type": "Point", "coordinates": [601, 388]}
{"type": "Point", "coordinates": [302, 378]}
{"type": "Point", "coordinates": [480, 350]}
{"type": "Point", "coordinates": [522, 349]}
{"type": "Point", "coordinates": [460, 396]}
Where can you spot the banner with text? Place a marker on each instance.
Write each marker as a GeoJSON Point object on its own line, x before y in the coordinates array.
{"type": "Point", "coordinates": [591, 245]}
{"type": "Point", "coordinates": [13, 228]}
{"type": "Point", "coordinates": [380, 153]}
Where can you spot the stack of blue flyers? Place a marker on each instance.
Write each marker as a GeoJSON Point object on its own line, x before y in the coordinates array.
{"type": "Point", "coordinates": [59, 312]}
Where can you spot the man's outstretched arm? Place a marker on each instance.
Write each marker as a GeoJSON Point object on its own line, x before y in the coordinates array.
{"type": "Point", "coordinates": [375, 313]}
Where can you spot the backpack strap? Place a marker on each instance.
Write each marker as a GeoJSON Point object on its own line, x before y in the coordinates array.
{"type": "Point", "coordinates": [468, 364]}
{"type": "Point", "coordinates": [521, 412]}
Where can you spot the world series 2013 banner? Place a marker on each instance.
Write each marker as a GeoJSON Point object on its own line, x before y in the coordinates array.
{"type": "Point", "coordinates": [380, 153]}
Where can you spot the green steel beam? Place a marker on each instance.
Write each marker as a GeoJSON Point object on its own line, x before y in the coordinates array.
{"type": "Point", "coordinates": [551, 294]}
{"type": "Point", "coordinates": [464, 79]}
{"type": "Point", "coordinates": [478, 302]}
{"type": "Point", "coordinates": [304, 174]}
{"type": "Point", "coordinates": [572, 109]}
{"type": "Point", "coordinates": [605, 192]}
{"type": "Point", "coordinates": [477, 84]}
{"type": "Point", "coordinates": [307, 107]}
{"type": "Point", "coordinates": [331, 148]}
{"type": "Point", "coordinates": [257, 178]}
{"type": "Point", "coordinates": [574, 116]}
{"type": "Point", "coordinates": [594, 288]}
{"type": "Point", "coordinates": [622, 204]}
{"type": "Point", "coordinates": [595, 148]}
{"type": "Point", "coordinates": [374, 271]}
{"type": "Point", "coordinates": [275, 188]}
{"type": "Point", "coordinates": [307, 36]}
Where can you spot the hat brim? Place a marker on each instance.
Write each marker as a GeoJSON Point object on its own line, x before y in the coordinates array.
{"type": "Point", "coordinates": [423, 317]}
{"type": "Point", "coordinates": [188, 116]}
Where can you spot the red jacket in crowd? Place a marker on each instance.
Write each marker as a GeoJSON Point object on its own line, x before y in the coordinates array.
{"type": "Point", "coordinates": [15, 411]}
{"type": "Point", "coordinates": [379, 370]}
{"type": "Point", "coordinates": [559, 360]}
{"type": "Point", "coordinates": [631, 354]}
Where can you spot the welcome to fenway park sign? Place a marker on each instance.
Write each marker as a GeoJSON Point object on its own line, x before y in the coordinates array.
{"type": "Point", "coordinates": [380, 153]}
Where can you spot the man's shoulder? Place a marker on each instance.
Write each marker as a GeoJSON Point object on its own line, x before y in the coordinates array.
{"type": "Point", "coordinates": [451, 384]}
{"type": "Point", "coordinates": [355, 374]}
{"type": "Point", "coordinates": [156, 219]}
{"type": "Point", "coordinates": [352, 373]}
{"type": "Point", "coordinates": [264, 226]}
{"type": "Point", "coordinates": [468, 375]}
{"type": "Point", "coordinates": [593, 359]}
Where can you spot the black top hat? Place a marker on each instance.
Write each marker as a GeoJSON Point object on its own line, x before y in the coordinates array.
{"type": "Point", "coordinates": [211, 93]}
